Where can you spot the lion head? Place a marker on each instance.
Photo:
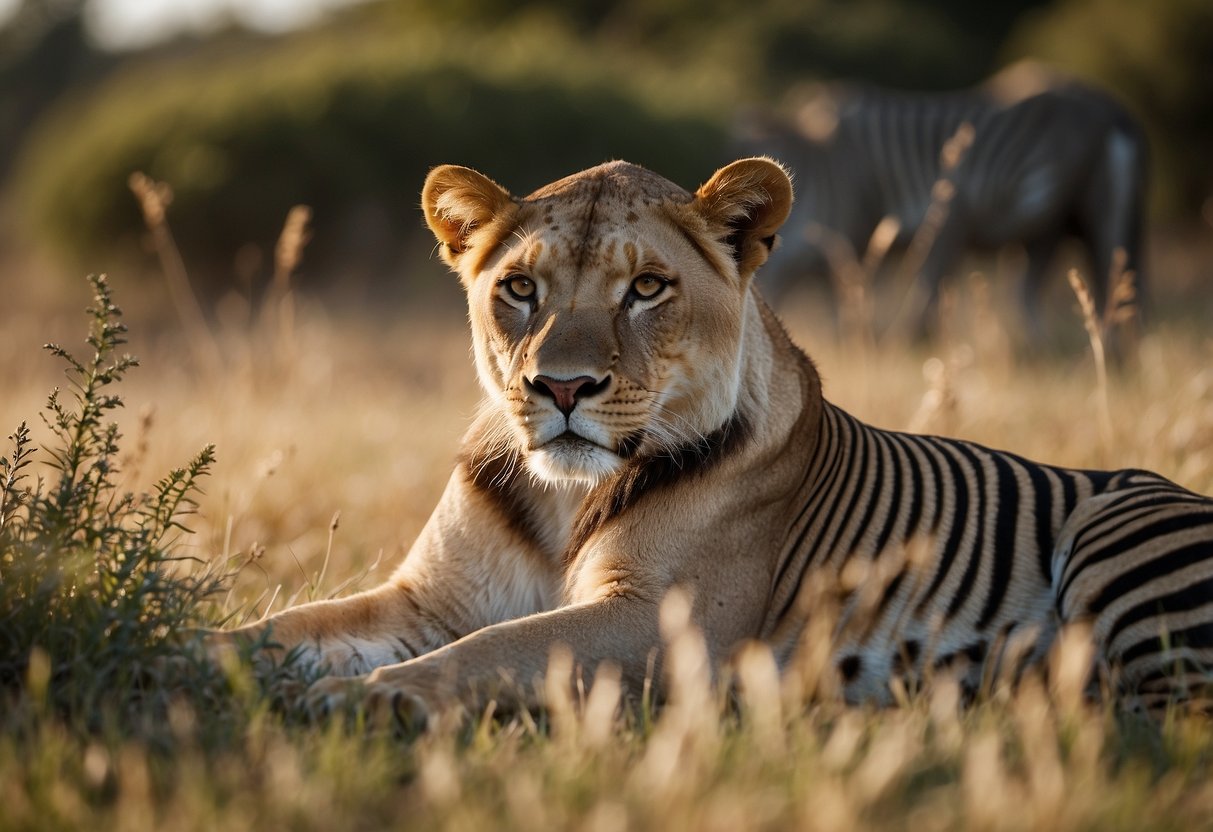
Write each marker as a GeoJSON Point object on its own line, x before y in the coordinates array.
{"type": "Point", "coordinates": [607, 308]}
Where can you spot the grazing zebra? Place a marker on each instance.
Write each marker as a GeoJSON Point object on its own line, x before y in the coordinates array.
{"type": "Point", "coordinates": [1047, 157]}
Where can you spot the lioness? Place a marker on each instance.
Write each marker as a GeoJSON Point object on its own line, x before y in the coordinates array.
{"type": "Point", "coordinates": [648, 424]}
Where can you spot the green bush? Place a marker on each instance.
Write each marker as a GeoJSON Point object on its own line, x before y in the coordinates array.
{"type": "Point", "coordinates": [96, 611]}
{"type": "Point", "coordinates": [348, 124]}
{"type": "Point", "coordinates": [89, 602]}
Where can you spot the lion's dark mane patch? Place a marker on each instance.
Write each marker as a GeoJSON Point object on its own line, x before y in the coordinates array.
{"type": "Point", "coordinates": [495, 472]}
{"type": "Point", "coordinates": [645, 475]}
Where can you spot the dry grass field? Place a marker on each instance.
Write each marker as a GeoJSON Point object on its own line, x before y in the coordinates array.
{"type": "Point", "coordinates": [335, 434]}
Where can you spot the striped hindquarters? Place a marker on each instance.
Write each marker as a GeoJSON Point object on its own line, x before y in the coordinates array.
{"type": "Point", "coordinates": [1137, 564]}
{"type": "Point", "coordinates": [952, 544]}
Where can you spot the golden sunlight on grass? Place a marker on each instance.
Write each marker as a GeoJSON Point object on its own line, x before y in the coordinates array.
{"type": "Point", "coordinates": [333, 447]}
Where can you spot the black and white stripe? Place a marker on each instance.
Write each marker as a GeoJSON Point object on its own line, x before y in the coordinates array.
{"type": "Point", "coordinates": [1137, 562]}
{"type": "Point", "coordinates": [965, 549]}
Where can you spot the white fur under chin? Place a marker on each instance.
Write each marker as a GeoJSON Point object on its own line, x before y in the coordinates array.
{"type": "Point", "coordinates": [562, 461]}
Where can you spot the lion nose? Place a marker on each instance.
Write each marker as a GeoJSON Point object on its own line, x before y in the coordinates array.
{"type": "Point", "coordinates": [566, 393]}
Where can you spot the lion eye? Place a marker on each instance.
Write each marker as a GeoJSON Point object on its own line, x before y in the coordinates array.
{"type": "Point", "coordinates": [649, 286]}
{"type": "Point", "coordinates": [520, 286]}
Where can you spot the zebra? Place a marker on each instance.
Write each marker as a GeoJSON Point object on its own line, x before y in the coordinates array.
{"type": "Point", "coordinates": [1048, 157]}
{"type": "Point", "coordinates": [973, 556]}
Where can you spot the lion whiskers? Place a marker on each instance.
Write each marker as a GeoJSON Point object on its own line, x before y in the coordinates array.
{"type": "Point", "coordinates": [668, 437]}
{"type": "Point", "coordinates": [498, 437]}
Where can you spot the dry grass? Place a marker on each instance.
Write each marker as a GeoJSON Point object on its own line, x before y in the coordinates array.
{"type": "Point", "coordinates": [366, 420]}
{"type": "Point", "coordinates": [363, 419]}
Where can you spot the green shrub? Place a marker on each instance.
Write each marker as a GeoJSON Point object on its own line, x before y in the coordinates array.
{"type": "Point", "coordinates": [348, 124]}
{"type": "Point", "coordinates": [90, 606]}
{"type": "Point", "coordinates": [96, 609]}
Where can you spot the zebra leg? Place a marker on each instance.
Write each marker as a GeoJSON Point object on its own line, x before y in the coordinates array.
{"type": "Point", "coordinates": [944, 249]}
{"type": "Point", "coordinates": [1136, 564]}
{"type": "Point", "coordinates": [1040, 253]}
{"type": "Point", "coordinates": [1112, 215]}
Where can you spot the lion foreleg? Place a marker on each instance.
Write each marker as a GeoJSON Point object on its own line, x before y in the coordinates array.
{"type": "Point", "coordinates": [506, 663]}
{"type": "Point", "coordinates": [348, 636]}
{"type": "Point", "coordinates": [466, 570]}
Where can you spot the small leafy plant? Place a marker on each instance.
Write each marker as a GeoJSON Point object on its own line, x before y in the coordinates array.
{"type": "Point", "coordinates": [93, 603]}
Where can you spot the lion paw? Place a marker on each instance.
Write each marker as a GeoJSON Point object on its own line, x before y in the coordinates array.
{"type": "Point", "coordinates": [384, 704]}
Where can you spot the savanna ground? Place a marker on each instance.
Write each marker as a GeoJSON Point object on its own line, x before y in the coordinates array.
{"type": "Point", "coordinates": [335, 432]}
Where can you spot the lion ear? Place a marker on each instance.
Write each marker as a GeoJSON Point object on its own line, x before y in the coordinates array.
{"type": "Point", "coordinates": [459, 201]}
{"type": "Point", "coordinates": [749, 199]}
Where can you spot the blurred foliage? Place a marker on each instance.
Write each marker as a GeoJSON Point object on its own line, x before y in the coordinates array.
{"type": "Point", "coordinates": [347, 121]}
{"type": "Point", "coordinates": [43, 52]}
{"type": "Point", "coordinates": [347, 117]}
